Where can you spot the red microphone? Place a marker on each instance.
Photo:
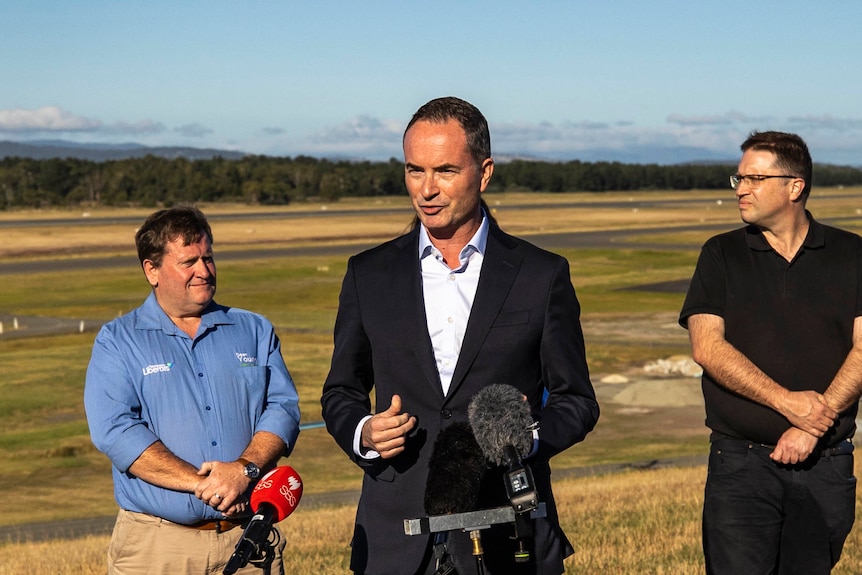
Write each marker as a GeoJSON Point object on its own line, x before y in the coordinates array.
{"type": "Point", "coordinates": [275, 497]}
{"type": "Point", "coordinates": [280, 488]}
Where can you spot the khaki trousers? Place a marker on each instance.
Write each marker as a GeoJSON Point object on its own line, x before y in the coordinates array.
{"type": "Point", "coordinates": [145, 545]}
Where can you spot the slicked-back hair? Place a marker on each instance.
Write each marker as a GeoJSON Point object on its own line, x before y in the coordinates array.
{"type": "Point", "coordinates": [165, 226]}
{"type": "Point", "coordinates": [791, 153]}
{"type": "Point", "coordinates": [441, 110]}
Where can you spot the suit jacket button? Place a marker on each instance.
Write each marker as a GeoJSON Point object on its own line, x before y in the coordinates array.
{"type": "Point", "coordinates": [446, 414]}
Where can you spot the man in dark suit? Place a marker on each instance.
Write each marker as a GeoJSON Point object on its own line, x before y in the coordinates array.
{"type": "Point", "coordinates": [429, 319]}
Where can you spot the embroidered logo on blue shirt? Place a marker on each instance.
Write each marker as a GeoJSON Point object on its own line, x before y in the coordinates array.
{"type": "Point", "coordinates": [157, 368]}
{"type": "Point", "coordinates": [245, 359]}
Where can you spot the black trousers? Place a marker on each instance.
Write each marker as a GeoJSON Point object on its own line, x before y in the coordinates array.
{"type": "Point", "coordinates": [760, 517]}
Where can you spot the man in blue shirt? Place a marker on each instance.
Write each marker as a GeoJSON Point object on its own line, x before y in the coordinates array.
{"type": "Point", "coordinates": [192, 402]}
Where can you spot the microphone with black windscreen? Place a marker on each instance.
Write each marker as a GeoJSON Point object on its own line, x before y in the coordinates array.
{"type": "Point", "coordinates": [455, 471]}
{"type": "Point", "coordinates": [503, 424]}
{"type": "Point", "coordinates": [275, 497]}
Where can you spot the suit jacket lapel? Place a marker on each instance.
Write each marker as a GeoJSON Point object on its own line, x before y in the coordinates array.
{"type": "Point", "coordinates": [499, 269]}
{"type": "Point", "coordinates": [406, 278]}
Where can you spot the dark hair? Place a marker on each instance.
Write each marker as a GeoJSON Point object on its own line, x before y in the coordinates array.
{"type": "Point", "coordinates": [165, 226]}
{"type": "Point", "coordinates": [441, 110]}
{"type": "Point", "coordinates": [791, 153]}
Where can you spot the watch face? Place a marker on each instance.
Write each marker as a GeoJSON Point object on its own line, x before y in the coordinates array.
{"type": "Point", "coordinates": [252, 470]}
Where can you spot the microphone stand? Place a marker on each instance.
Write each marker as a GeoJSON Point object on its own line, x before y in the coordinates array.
{"type": "Point", "coordinates": [478, 552]}
{"type": "Point", "coordinates": [471, 522]}
{"type": "Point", "coordinates": [521, 489]}
{"type": "Point", "coordinates": [443, 564]}
{"type": "Point", "coordinates": [260, 555]}
{"type": "Point", "coordinates": [265, 555]}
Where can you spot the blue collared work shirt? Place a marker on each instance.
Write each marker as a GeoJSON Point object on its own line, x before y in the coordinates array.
{"type": "Point", "coordinates": [203, 398]}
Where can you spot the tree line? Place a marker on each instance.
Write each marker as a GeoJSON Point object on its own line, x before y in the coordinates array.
{"type": "Point", "coordinates": [269, 180]}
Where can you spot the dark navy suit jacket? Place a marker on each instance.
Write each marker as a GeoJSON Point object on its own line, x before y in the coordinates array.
{"type": "Point", "coordinates": [524, 330]}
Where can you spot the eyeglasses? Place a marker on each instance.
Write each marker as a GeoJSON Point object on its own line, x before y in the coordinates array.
{"type": "Point", "coordinates": [753, 179]}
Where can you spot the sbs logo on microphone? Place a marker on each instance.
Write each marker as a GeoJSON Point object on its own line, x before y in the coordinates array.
{"type": "Point", "coordinates": [264, 483]}
{"type": "Point", "coordinates": [288, 482]}
{"type": "Point", "coordinates": [289, 491]}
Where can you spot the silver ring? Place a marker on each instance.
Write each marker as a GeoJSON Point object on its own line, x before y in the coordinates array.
{"type": "Point", "coordinates": [217, 495]}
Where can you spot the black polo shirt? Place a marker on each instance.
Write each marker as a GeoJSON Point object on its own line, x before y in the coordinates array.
{"type": "Point", "coordinates": [794, 320]}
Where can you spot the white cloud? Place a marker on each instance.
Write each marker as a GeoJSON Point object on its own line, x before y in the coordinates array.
{"type": "Point", "coordinates": [826, 122]}
{"type": "Point", "coordinates": [141, 128]}
{"type": "Point", "coordinates": [360, 130]}
{"type": "Point", "coordinates": [582, 139]}
{"type": "Point", "coordinates": [682, 137]}
{"type": "Point", "coordinates": [728, 118]}
{"type": "Point", "coordinates": [194, 130]}
{"type": "Point", "coordinates": [367, 137]}
{"type": "Point", "coordinates": [56, 120]}
{"type": "Point", "coordinates": [45, 119]}
{"type": "Point", "coordinates": [360, 137]}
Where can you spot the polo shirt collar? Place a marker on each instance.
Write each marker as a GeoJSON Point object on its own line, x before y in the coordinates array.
{"type": "Point", "coordinates": [815, 238]}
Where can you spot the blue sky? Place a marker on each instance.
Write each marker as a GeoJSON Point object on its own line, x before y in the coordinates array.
{"type": "Point", "coordinates": [628, 80]}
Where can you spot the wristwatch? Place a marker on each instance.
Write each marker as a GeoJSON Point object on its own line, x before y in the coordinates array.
{"type": "Point", "coordinates": [250, 470]}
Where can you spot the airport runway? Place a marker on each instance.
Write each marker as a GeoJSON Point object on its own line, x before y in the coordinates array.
{"type": "Point", "coordinates": [555, 241]}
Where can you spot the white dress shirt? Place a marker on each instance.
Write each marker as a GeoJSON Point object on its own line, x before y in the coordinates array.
{"type": "Point", "coordinates": [448, 297]}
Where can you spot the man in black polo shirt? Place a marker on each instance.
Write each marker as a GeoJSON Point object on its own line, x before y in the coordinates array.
{"type": "Point", "coordinates": [774, 313]}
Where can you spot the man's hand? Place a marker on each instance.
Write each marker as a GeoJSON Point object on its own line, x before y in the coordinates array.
{"type": "Point", "coordinates": [386, 431]}
{"type": "Point", "coordinates": [808, 411]}
{"type": "Point", "coordinates": [222, 486]}
{"type": "Point", "coordinates": [793, 447]}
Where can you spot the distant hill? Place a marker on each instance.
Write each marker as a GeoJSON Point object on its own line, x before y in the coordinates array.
{"type": "Point", "coordinates": [656, 154]}
{"type": "Point", "coordinates": [48, 149]}
{"type": "Point", "coordinates": [99, 152]}
{"type": "Point", "coordinates": [661, 155]}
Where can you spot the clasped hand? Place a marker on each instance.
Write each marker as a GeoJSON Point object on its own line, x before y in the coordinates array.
{"type": "Point", "coordinates": [794, 446]}
{"type": "Point", "coordinates": [809, 411]}
{"type": "Point", "coordinates": [811, 417]}
{"type": "Point", "coordinates": [222, 487]}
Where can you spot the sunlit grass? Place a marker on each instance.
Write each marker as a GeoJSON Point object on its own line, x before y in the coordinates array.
{"type": "Point", "coordinates": [630, 523]}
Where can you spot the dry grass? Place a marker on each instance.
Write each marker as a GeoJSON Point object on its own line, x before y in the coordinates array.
{"type": "Point", "coordinates": [637, 522]}
{"type": "Point", "coordinates": [273, 231]}
{"type": "Point", "coordinates": [85, 556]}
{"type": "Point", "coordinates": [344, 221]}
{"type": "Point", "coordinates": [634, 522]}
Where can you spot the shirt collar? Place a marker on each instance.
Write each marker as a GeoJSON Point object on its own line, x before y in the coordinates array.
{"type": "Point", "coordinates": [815, 237]}
{"type": "Point", "coordinates": [154, 317]}
{"type": "Point", "coordinates": [477, 243]}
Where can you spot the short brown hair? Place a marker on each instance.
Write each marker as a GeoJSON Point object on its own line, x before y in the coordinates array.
{"type": "Point", "coordinates": [791, 153]}
{"type": "Point", "coordinates": [165, 226]}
